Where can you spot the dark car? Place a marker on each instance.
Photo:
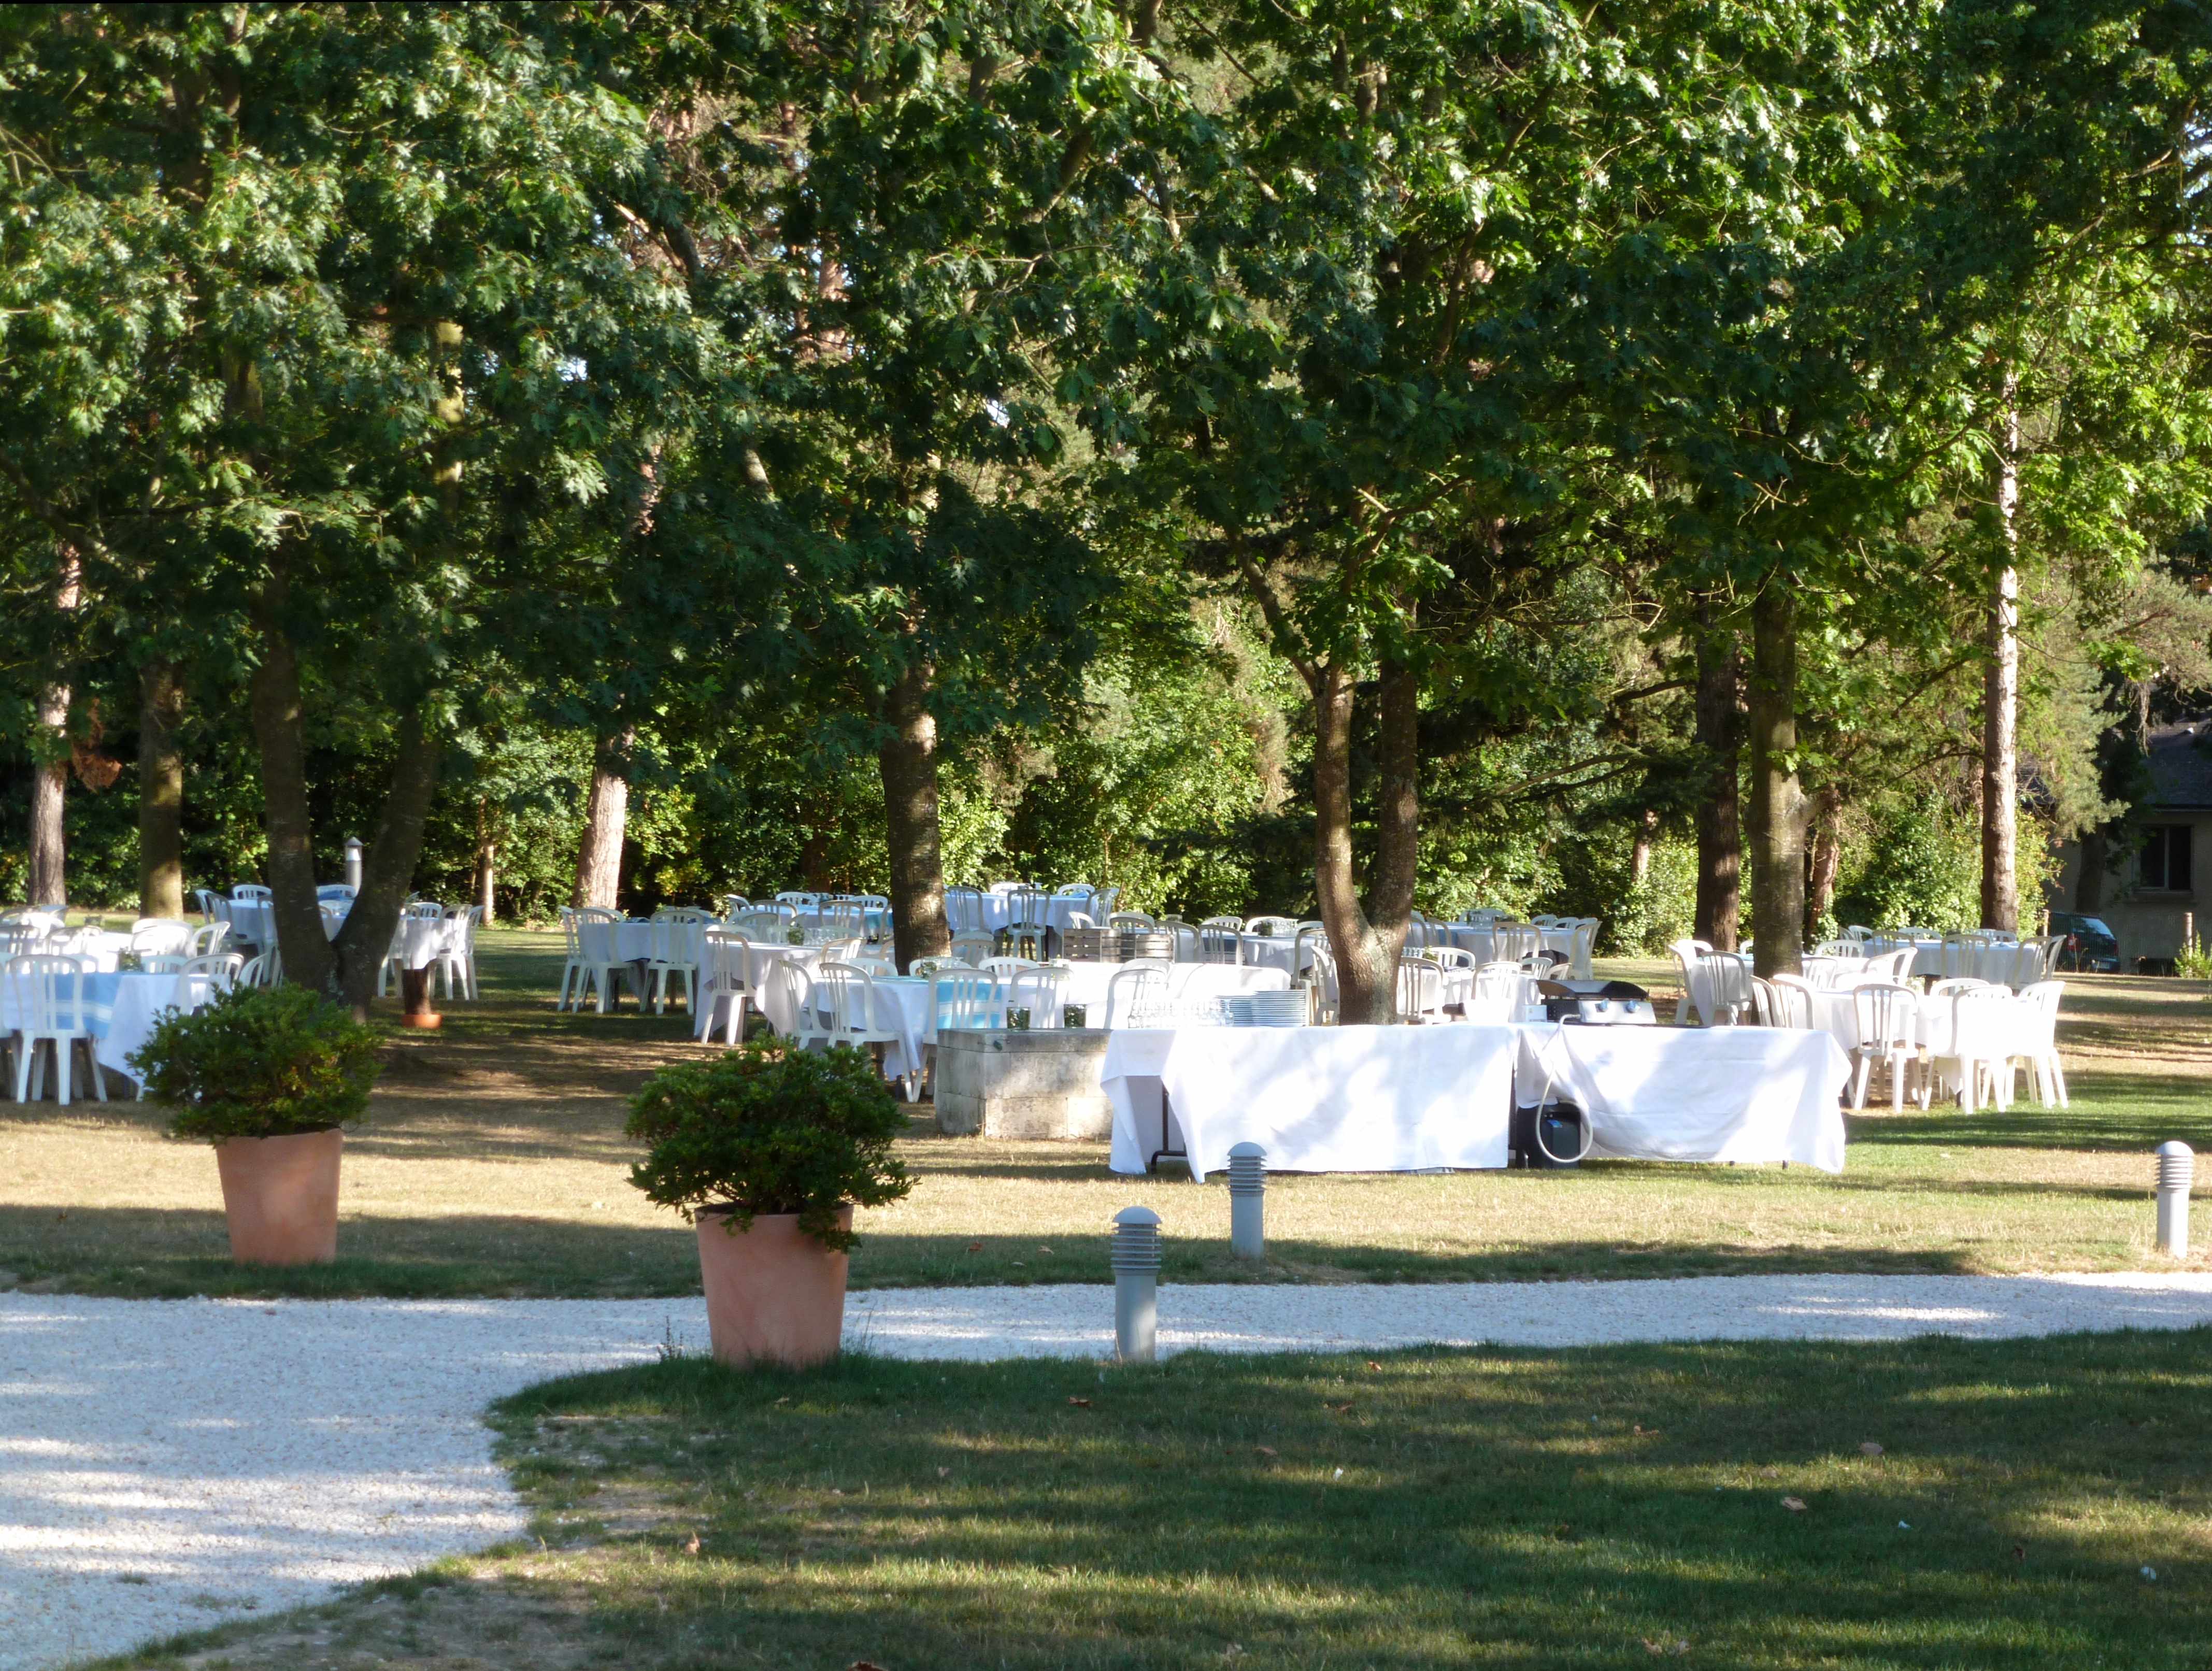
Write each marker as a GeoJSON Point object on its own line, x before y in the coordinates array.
{"type": "Point", "coordinates": [2089, 943]}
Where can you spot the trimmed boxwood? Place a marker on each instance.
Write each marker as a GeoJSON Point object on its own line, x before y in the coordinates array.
{"type": "Point", "coordinates": [260, 1061]}
{"type": "Point", "coordinates": [767, 1129]}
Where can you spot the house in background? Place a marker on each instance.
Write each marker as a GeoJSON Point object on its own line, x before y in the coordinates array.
{"type": "Point", "coordinates": [2149, 898]}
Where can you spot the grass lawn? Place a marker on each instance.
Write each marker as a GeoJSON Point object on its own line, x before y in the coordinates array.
{"type": "Point", "coordinates": [1720, 1504]}
{"type": "Point", "coordinates": [494, 1163]}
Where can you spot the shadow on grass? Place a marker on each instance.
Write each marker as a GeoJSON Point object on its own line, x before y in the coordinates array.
{"type": "Point", "coordinates": [1517, 1508]}
{"type": "Point", "coordinates": [175, 1253]}
{"type": "Point", "coordinates": [2111, 1113]}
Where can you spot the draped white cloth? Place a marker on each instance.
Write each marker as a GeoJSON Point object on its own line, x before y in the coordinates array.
{"type": "Point", "coordinates": [1753, 1095]}
{"type": "Point", "coordinates": [1318, 1099]}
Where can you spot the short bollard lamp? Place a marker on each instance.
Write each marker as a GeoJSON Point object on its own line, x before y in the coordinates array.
{"type": "Point", "coordinates": [1136, 1285]}
{"type": "Point", "coordinates": [1248, 1201]}
{"type": "Point", "coordinates": [2176, 1170]}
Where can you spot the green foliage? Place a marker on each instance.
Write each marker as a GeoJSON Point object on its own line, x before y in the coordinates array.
{"type": "Point", "coordinates": [1921, 867]}
{"type": "Point", "coordinates": [766, 1128]}
{"type": "Point", "coordinates": [260, 1061]}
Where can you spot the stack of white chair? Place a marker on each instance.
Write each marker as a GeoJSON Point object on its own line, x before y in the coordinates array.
{"type": "Point", "coordinates": [2036, 1044]}
{"type": "Point", "coordinates": [154, 935]}
{"type": "Point", "coordinates": [967, 999]}
{"type": "Point", "coordinates": [1220, 941]}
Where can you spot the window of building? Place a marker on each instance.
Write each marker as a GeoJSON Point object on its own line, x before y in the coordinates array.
{"type": "Point", "coordinates": [2165, 865]}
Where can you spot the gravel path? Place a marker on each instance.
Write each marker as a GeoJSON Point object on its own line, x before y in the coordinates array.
{"type": "Point", "coordinates": [166, 1464]}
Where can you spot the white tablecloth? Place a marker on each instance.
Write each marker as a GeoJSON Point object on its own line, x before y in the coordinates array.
{"type": "Point", "coordinates": [119, 1011]}
{"type": "Point", "coordinates": [1318, 1099]}
{"type": "Point", "coordinates": [1755, 1095]}
{"type": "Point", "coordinates": [140, 1002]}
{"type": "Point", "coordinates": [1836, 1014]}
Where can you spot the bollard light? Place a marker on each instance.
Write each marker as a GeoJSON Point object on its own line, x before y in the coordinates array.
{"type": "Point", "coordinates": [353, 863]}
{"type": "Point", "coordinates": [2176, 1169]}
{"type": "Point", "coordinates": [1136, 1285]}
{"type": "Point", "coordinates": [1248, 1201]}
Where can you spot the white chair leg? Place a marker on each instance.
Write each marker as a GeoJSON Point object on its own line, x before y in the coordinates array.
{"type": "Point", "coordinates": [26, 1053]}
{"type": "Point", "coordinates": [1896, 1082]}
{"type": "Point", "coordinates": [1859, 1082]}
{"type": "Point", "coordinates": [93, 1071]}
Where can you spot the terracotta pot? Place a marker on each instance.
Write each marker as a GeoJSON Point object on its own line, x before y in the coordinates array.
{"type": "Point", "coordinates": [281, 1196]}
{"type": "Point", "coordinates": [773, 1295]}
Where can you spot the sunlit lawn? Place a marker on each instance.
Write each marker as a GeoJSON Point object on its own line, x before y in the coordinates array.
{"type": "Point", "coordinates": [1715, 1504]}
{"type": "Point", "coordinates": [495, 1163]}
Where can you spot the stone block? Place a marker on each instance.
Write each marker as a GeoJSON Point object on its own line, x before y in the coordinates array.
{"type": "Point", "coordinates": [1044, 1083]}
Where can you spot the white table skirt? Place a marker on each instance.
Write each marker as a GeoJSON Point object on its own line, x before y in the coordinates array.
{"type": "Point", "coordinates": [1318, 1099]}
{"type": "Point", "coordinates": [1753, 1095]}
{"type": "Point", "coordinates": [140, 1002]}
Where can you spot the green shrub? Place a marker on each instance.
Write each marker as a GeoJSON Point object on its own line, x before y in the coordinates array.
{"type": "Point", "coordinates": [268, 1061]}
{"type": "Point", "coordinates": [767, 1129]}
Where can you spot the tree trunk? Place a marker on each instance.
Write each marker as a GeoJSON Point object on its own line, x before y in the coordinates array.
{"type": "Point", "coordinates": [2089, 884]}
{"type": "Point", "coordinates": [1366, 936]}
{"type": "Point", "coordinates": [1826, 858]}
{"type": "Point", "coordinates": [49, 796]}
{"type": "Point", "coordinates": [598, 856]}
{"type": "Point", "coordinates": [160, 791]}
{"type": "Point", "coordinates": [1720, 829]}
{"type": "Point", "coordinates": [49, 880]}
{"type": "Point", "coordinates": [1639, 850]}
{"type": "Point", "coordinates": [280, 729]}
{"type": "Point", "coordinates": [487, 857]}
{"type": "Point", "coordinates": [908, 762]}
{"type": "Point", "coordinates": [387, 868]}
{"type": "Point", "coordinates": [1778, 802]}
{"type": "Point", "coordinates": [2001, 704]}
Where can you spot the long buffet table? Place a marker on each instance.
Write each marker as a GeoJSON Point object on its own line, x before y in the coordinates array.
{"type": "Point", "coordinates": [1395, 1099]}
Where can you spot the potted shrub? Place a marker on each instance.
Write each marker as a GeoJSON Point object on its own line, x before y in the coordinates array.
{"type": "Point", "coordinates": [768, 1150]}
{"type": "Point", "coordinates": [269, 1075]}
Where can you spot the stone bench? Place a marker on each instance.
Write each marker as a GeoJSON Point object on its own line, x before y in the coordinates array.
{"type": "Point", "coordinates": [1044, 1083]}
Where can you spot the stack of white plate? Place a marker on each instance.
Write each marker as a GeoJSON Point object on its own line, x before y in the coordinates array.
{"type": "Point", "coordinates": [1277, 1009]}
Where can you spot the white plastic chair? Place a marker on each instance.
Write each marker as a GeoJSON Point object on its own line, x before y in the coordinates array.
{"type": "Point", "coordinates": [572, 971]}
{"type": "Point", "coordinates": [1584, 944]}
{"type": "Point", "coordinates": [1041, 991]}
{"type": "Point", "coordinates": [800, 901]}
{"type": "Point", "coordinates": [211, 904]}
{"type": "Point", "coordinates": [1133, 920]}
{"type": "Point", "coordinates": [1980, 1050]}
{"type": "Point", "coordinates": [222, 971]}
{"type": "Point", "coordinates": [457, 952]}
{"type": "Point", "coordinates": [337, 893]}
{"type": "Point", "coordinates": [1320, 973]}
{"type": "Point", "coordinates": [1888, 1020]}
{"type": "Point", "coordinates": [595, 946]}
{"type": "Point", "coordinates": [1780, 1005]}
{"type": "Point", "coordinates": [843, 1011]}
{"type": "Point", "coordinates": [675, 944]}
{"type": "Point", "coordinates": [46, 996]}
{"type": "Point", "coordinates": [2036, 1042]}
{"type": "Point", "coordinates": [1184, 940]}
{"type": "Point", "coordinates": [251, 890]}
{"type": "Point", "coordinates": [395, 955]}
{"type": "Point", "coordinates": [208, 940]}
{"type": "Point", "coordinates": [1421, 989]}
{"type": "Point", "coordinates": [257, 972]}
{"type": "Point", "coordinates": [722, 993]}
{"type": "Point", "coordinates": [1726, 978]}
{"type": "Point", "coordinates": [163, 963]}
{"type": "Point", "coordinates": [160, 934]}
{"type": "Point", "coordinates": [1008, 967]}
{"type": "Point", "coordinates": [1137, 996]}
{"type": "Point", "coordinates": [971, 949]}
{"type": "Point", "coordinates": [967, 998]}
{"type": "Point", "coordinates": [1220, 941]}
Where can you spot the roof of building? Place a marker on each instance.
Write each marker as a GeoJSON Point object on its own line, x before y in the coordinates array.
{"type": "Point", "coordinates": [2181, 764]}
